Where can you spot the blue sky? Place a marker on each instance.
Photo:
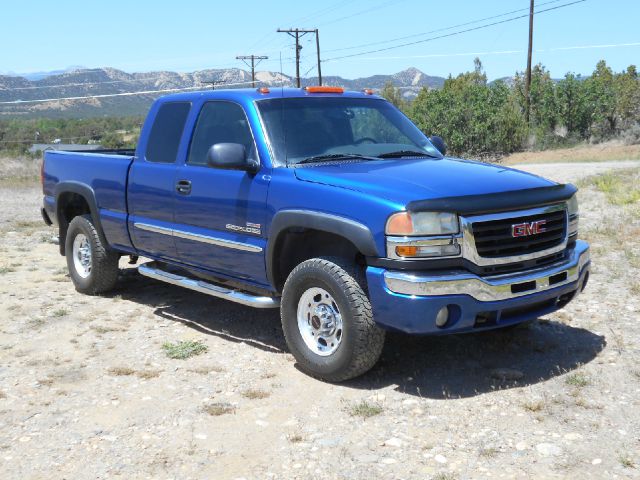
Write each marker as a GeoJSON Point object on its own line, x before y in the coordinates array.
{"type": "Point", "coordinates": [191, 35]}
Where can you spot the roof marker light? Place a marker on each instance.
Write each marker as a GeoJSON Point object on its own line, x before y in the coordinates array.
{"type": "Point", "coordinates": [320, 89]}
{"type": "Point", "coordinates": [368, 91]}
{"type": "Point", "coordinates": [264, 90]}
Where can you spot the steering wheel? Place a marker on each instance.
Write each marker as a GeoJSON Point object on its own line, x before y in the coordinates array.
{"type": "Point", "coordinates": [364, 139]}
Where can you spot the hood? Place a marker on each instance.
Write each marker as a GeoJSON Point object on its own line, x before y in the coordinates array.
{"type": "Point", "coordinates": [406, 180]}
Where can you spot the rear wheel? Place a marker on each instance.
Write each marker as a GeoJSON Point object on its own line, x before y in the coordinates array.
{"type": "Point", "coordinates": [93, 268]}
{"type": "Point", "coordinates": [327, 320]}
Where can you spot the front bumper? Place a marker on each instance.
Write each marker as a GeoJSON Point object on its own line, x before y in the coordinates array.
{"type": "Point", "coordinates": [410, 301]}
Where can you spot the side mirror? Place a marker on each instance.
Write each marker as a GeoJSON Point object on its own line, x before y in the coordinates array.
{"type": "Point", "coordinates": [438, 142]}
{"type": "Point", "coordinates": [231, 156]}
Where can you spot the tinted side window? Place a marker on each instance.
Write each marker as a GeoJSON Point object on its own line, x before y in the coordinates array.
{"type": "Point", "coordinates": [219, 122]}
{"type": "Point", "coordinates": [166, 132]}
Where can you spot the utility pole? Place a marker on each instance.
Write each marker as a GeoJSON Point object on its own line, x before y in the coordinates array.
{"type": "Point", "coordinates": [253, 64]}
{"type": "Point", "coordinates": [213, 83]}
{"type": "Point", "coordinates": [318, 54]}
{"type": "Point", "coordinates": [527, 85]}
{"type": "Point", "coordinates": [297, 33]}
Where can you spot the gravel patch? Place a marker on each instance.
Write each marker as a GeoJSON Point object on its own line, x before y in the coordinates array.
{"type": "Point", "coordinates": [91, 393]}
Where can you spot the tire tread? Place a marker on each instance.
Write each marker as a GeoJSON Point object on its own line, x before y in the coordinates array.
{"type": "Point", "coordinates": [369, 337]}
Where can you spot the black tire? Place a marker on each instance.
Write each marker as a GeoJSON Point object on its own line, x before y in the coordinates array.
{"type": "Point", "coordinates": [361, 341]}
{"type": "Point", "coordinates": [104, 262]}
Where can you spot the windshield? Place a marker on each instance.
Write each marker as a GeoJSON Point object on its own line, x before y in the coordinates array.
{"type": "Point", "coordinates": [322, 128]}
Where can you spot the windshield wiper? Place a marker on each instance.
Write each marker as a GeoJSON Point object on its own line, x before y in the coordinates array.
{"type": "Point", "coordinates": [406, 153]}
{"type": "Point", "coordinates": [333, 156]}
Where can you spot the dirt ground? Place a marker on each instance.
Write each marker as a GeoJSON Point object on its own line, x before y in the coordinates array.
{"type": "Point", "coordinates": [87, 390]}
{"type": "Point", "coordinates": [606, 151]}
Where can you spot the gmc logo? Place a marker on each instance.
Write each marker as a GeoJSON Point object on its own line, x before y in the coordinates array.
{"type": "Point", "coordinates": [528, 228]}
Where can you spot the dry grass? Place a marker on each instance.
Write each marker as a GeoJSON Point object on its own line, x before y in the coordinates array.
{"type": "Point", "coordinates": [121, 371]}
{"type": "Point", "coordinates": [148, 374]}
{"type": "Point", "coordinates": [19, 172]}
{"type": "Point", "coordinates": [255, 394]}
{"type": "Point", "coordinates": [533, 405]}
{"type": "Point", "coordinates": [488, 452]}
{"type": "Point", "coordinates": [126, 372]}
{"type": "Point", "coordinates": [206, 370]}
{"type": "Point", "coordinates": [604, 152]}
{"type": "Point", "coordinates": [626, 461]}
{"type": "Point", "coordinates": [101, 329]}
{"type": "Point", "coordinates": [621, 187]}
{"type": "Point", "coordinates": [219, 408]}
{"type": "Point", "coordinates": [295, 438]}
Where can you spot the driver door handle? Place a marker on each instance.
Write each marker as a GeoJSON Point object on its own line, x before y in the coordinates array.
{"type": "Point", "coordinates": [183, 187]}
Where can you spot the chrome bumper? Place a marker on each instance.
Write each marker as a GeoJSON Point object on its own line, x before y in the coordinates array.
{"type": "Point", "coordinates": [498, 287]}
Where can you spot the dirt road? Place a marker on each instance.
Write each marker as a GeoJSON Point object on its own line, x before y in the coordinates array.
{"type": "Point", "coordinates": [87, 390]}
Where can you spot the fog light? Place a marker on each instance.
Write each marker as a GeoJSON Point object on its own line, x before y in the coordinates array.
{"type": "Point", "coordinates": [442, 317]}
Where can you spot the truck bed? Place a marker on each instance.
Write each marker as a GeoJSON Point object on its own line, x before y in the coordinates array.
{"type": "Point", "coordinates": [127, 152]}
{"type": "Point", "coordinates": [104, 173]}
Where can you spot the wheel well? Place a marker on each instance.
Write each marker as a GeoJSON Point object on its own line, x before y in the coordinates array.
{"type": "Point", "coordinates": [69, 205]}
{"type": "Point", "coordinates": [295, 245]}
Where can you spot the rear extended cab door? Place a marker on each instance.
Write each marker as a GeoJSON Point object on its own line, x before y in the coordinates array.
{"type": "Point", "coordinates": [219, 219]}
{"type": "Point", "coordinates": [151, 187]}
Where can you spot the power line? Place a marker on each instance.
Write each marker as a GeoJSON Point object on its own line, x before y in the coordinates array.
{"type": "Point", "coordinates": [502, 52]}
{"type": "Point", "coordinates": [363, 12]}
{"type": "Point", "coordinates": [271, 36]}
{"type": "Point", "coordinates": [35, 87]}
{"type": "Point", "coordinates": [450, 34]}
{"type": "Point", "coordinates": [124, 94]}
{"type": "Point", "coordinates": [406, 37]}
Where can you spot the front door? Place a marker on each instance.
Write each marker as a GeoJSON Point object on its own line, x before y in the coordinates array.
{"type": "Point", "coordinates": [219, 220]}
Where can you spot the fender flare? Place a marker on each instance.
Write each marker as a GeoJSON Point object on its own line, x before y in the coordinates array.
{"type": "Point", "coordinates": [89, 195]}
{"type": "Point", "coordinates": [356, 232]}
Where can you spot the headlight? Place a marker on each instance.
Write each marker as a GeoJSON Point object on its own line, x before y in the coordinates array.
{"type": "Point", "coordinates": [572, 211]}
{"type": "Point", "coordinates": [422, 223]}
{"type": "Point", "coordinates": [437, 232]}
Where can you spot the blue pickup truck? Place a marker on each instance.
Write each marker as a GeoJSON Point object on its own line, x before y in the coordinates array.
{"type": "Point", "coordinates": [329, 205]}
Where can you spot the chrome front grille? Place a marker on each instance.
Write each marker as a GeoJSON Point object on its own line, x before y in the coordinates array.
{"type": "Point", "coordinates": [488, 239]}
{"type": "Point", "coordinates": [494, 238]}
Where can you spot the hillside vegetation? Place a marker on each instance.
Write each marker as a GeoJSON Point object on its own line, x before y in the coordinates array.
{"type": "Point", "coordinates": [476, 118]}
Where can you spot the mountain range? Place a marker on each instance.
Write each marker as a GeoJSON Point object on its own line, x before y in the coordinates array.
{"type": "Point", "coordinates": [107, 81]}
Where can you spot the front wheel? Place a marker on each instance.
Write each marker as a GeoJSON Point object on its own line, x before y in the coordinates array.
{"type": "Point", "coordinates": [327, 320]}
{"type": "Point", "coordinates": [93, 268]}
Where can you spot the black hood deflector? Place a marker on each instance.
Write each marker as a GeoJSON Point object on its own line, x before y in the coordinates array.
{"type": "Point", "coordinates": [496, 202]}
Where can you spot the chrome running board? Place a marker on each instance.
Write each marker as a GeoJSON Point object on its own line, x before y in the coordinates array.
{"type": "Point", "coordinates": [245, 298]}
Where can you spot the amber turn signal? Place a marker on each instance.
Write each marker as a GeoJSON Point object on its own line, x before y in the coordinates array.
{"type": "Point", "coordinates": [406, 251]}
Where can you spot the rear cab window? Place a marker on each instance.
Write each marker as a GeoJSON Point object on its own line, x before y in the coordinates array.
{"type": "Point", "coordinates": [166, 132]}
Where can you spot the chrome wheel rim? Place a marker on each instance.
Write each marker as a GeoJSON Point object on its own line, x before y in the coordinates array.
{"type": "Point", "coordinates": [319, 321]}
{"type": "Point", "coordinates": [82, 255]}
